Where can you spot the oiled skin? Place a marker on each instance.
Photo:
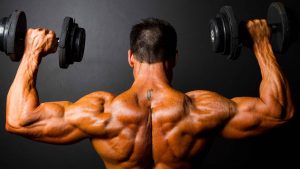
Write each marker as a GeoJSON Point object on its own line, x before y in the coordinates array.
{"type": "Point", "coordinates": [151, 125]}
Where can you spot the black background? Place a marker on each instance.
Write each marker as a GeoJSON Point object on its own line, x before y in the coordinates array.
{"type": "Point", "coordinates": [105, 67]}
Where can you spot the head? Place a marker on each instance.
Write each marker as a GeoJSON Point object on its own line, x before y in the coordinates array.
{"type": "Point", "coordinates": [153, 41]}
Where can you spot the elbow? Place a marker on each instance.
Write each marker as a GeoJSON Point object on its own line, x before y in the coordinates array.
{"type": "Point", "coordinates": [9, 128]}
{"type": "Point", "coordinates": [289, 113]}
{"type": "Point", "coordinates": [285, 114]}
{"type": "Point", "coordinates": [281, 114]}
{"type": "Point", "coordinates": [12, 127]}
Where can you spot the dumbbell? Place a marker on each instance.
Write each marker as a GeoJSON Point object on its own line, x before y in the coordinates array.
{"type": "Point", "coordinates": [13, 31]}
{"type": "Point", "coordinates": [227, 34]}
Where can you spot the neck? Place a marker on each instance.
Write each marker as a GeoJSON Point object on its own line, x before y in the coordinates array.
{"type": "Point", "coordinates": [150, 76]}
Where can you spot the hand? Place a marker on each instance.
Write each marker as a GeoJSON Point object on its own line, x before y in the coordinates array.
{"type": "Point", "coordinates": [40, 41]}
{"type": "Point", "coordinates": [259, 30]}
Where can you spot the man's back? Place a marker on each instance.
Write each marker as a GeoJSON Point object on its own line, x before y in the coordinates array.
{"type": "Point", "coordinates": [157, 127]}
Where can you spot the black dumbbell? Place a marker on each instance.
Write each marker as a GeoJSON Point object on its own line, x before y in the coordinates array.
{"type": "Point", "coordinates": [12, 35]}
{"type": "Point", "coordinates": [227, 34]}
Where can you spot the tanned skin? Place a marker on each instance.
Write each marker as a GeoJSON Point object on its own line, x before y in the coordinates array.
{"type": "Point", "coordinates": [151, 125]}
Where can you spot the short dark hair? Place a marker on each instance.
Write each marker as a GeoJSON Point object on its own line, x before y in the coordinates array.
{"type": "Point", "coordinates": [153, 40]}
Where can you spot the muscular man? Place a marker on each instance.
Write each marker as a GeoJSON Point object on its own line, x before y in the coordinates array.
{"type": "Point", "coordinates": [151, 125]}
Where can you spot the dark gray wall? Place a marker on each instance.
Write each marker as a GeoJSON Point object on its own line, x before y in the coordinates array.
{"type": "Point", "coordinates": [105, 67]}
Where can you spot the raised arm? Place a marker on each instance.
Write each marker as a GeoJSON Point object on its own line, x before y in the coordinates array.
{"type": "Point", "coordinates": [244, 117]}
{"type": "Point", "coordinates": [53, 122]}
{"type": "Point", "coordinates": [274, 105]}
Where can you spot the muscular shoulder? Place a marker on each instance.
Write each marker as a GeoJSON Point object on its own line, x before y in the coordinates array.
{"type": "Point", "coordinates": [92, 104]}
{"type": "Point", "coordinates": [210, 110]}
{"type": "Point", "coordinates": [90, 113]}
{"type": "Point", "coordinates": [95, 102]}
{"type": "Point", "coordinates": [97, 97]}
{"type": "Point", "coordinates": [210, 101]}
{"type": "Point", "coordinates": [201, 93]}
{"type": "Point", "coordinates": [205, 96]}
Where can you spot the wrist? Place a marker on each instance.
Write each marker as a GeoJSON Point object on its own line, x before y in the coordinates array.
{"type": "Point", "coordinates": [32, 56]}
{"type": "Point", "coordinates": [261, 45]}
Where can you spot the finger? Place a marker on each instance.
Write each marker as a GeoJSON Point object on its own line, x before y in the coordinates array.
{"type": "Point", "coordinates": [52, 33]}
{"type": "Point", "coordinates": [264, 21]}
{"type": "Point", "coordinates": [257, 22]}
{"type": "Point", "coordinates": [249, 23]}
{"type": "Point", "coordinates": [53, 42]}
{"type": "Point", "coordinates": [29, 30]}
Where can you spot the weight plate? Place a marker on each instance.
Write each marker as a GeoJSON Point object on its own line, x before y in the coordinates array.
{"type": "Point", "coordinates": [216, 34]}
{"type": "Point", "coordinates": [233, 45]}
{"type": "Point", "coordinates": [226, 30]}
{"type": "Point", "coordinates": [72, 44]}
{"type": "Point", "coordinates": [3, 33]}
{"type": "Point", "coordinates": [64, 43]}
{"type": "Point", "coordinates": [278, 20]}
{"type": "Point", "coordinates": [79, 43]}
{"type": "Point", "coordinates": [17, 27]}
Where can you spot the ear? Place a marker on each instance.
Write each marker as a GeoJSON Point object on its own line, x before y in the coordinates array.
{"type": "Point", "coordinates": [130, 58]}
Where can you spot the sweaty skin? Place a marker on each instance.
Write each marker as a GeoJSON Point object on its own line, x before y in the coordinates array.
{"type": "Point", "coordinates": [151, 125]}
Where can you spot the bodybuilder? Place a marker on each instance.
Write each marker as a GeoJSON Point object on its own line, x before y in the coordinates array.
{"type": "Point", "coordinates": [151, 125]}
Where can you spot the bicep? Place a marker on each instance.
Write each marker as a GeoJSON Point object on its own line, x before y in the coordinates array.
{"type": "Point", "coordinates": [252, 117]}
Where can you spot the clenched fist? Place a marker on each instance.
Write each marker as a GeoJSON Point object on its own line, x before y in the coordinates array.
{"type": "Point", "coordinates": [40, 41]}
{"type": "Point", "coordinates": [259, 30]}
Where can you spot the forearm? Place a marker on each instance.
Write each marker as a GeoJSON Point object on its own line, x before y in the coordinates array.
{"type": "Point", "coordinates": [274, 88]}
{"type": "Point", "coordinates": [22, 97]}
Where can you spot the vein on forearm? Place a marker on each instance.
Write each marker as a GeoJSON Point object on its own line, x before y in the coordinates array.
{"type": "Point", "coordinates": [274, 85]}
{"type": "Point", "coordinates": [23, 97]}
